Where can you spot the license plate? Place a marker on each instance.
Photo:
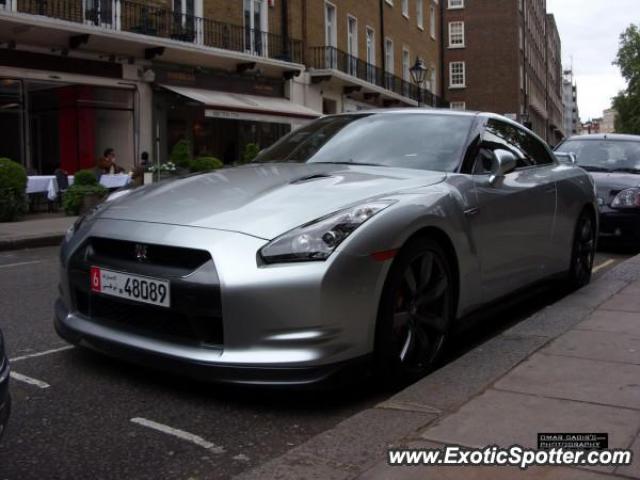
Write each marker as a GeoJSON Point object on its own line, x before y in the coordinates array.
{"type": "Point", "coordinates": [132, 287]}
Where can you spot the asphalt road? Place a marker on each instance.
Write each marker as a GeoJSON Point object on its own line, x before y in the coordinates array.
{"type": "Point", "coordinates": [77, 414]}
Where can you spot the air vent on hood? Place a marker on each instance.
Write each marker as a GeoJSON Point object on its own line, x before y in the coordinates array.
{"type": "Point", "coordinates": [308, 178]}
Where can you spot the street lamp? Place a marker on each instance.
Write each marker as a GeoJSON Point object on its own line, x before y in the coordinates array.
{"type": "Point", "coordinates": [418, 75]}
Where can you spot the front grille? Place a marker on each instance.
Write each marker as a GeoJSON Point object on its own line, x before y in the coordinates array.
{"type": "Point", "coordinates": [160, 255]}
{"type": "Point", "coordinates": [148, 320]}
{"type": "Point", "coordinates": [195, 315]}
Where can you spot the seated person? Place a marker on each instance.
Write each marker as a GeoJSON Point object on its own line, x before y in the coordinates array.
{"type": "Point", "coordinates": [106, 165]}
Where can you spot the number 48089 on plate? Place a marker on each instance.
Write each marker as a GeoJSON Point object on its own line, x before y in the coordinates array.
{"type": "Point", "coordinates": [154, 291]}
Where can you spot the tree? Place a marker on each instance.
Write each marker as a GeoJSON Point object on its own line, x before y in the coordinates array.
{"type": "Point", "coordinates": [627, 102]}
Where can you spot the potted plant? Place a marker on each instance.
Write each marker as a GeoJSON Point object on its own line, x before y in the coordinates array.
{"type": "Point", "coordinates": [206, 164]}
{"type": "Point", "coordinates": [84, 194]}
{"type": "Point", "coordinates": [162, 170]}
{"type": "Point", "coordinates": [13, 186]}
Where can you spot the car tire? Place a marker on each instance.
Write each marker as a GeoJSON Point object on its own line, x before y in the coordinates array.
{"type": "Point", "coordinates": [582, 251]}
{"type": "Point", "coordinates": [416, 308]}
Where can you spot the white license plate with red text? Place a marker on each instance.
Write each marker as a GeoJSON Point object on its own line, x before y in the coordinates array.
{"type": "Point", "coordinates": [132, 287]}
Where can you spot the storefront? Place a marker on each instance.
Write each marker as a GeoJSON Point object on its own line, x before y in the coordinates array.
{"type": "Point", "coordinates": [53, 119]}
{"type": "Point", "coordinates": [219, 114]}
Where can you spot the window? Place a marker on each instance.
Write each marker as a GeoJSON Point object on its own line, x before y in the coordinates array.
{"type": "Point", "coordinates": [405, 8]}
{"type": "Point", "coordinates": [406, 64]}
{"type": "Point", "coordinates": [433, 87]}
{"type": "Point", "coordinates": [432, 20]}
{"type": "Point", "coordinates": [458, 106]}
{"type": "Point", "coordinates": [371, 55]}
{"type": "Point", "coordinates": [457, 75]}
{"type": "Point", "coordinates": [388, 55]}
{"type": "Point", "coordinates": [255, 23]}
{"type": "Point", "coordinates": [100, 12]}
{"type": "Point", "coordinates": [456, 34]}
{"type": "Point", "coordinates": [456, 4]}
{"type": "Point", "coordinates": [528, 150]}
{"type": "Point", "coordinates": [330, 35]}
{"type": "Point", "coordinates": [352, 43]}
{"type": "Point", "coordinates": [420, 13]}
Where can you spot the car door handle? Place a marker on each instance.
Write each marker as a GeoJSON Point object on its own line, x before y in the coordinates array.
{"type": "Point", "coordinates": [470, 212]}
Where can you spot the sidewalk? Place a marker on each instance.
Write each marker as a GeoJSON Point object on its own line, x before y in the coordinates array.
{"type": "Point", "coordinates": [573, 367]}
{"type": "Point", "coordinates": [38, 230]}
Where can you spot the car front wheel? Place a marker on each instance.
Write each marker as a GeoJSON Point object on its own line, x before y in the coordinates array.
{"type": "Point", "coordinates": [583, 251]}
{"type": "Point", "coordinates": [415, 312]}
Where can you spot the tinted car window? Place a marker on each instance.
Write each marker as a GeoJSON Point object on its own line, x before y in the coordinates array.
{"type": "Point", "coordinates": [427, 142]}
{"type": "Point", "coordinates": [606, 155]}
{"type": "Point", "coordinates": [528, 150]}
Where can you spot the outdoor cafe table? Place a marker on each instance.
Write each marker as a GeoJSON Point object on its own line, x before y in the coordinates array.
{"type": "Point", "coordinates": [49, 185]}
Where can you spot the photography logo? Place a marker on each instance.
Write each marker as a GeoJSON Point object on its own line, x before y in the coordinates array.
{"type": "Point", "coordinates": [573, 441]}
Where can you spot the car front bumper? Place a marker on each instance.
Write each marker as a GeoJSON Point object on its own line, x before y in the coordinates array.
{"type": "Point", "coordinates": [292, 324]}
{"type": "Point", "coordinates": [620, 227]}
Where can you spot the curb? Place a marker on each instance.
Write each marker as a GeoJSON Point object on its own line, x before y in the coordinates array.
{"type": "Point", "coordinates": [31, 242]}
{"type": "Point", "coordinates": [360, 442]}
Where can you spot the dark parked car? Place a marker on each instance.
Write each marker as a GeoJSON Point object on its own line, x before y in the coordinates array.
{"type": "Point", "coordinates": [5, 399]}
{"type": "Point", "coordinates": [614, 162]}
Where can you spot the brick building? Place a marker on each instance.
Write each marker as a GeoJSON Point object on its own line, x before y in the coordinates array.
{"type": "Point", "coordinates": [555, 127]}
{"type": "Point", "coordinates": [496, 56]}
{"type": "Point", "coordinates": [78, 76]}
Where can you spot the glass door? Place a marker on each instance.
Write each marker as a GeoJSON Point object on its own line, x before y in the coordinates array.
{"type": "Point", "coordinates": [331, 35]}
{"type": "Point", "coordinates": [104, 13]}
{"type": "Point", "coordinates": [352, 44]}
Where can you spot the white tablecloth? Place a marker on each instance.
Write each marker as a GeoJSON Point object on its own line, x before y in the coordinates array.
{"type": "Point", "coordinates": [115, 181]}
{"type": "Point", "coordinates": [49, 184]}
{"type": "Point", "coordinates": [44, 183]}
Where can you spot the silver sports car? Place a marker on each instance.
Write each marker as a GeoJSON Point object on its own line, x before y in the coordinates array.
{"type": "Point", "coordinates": [358, 239]}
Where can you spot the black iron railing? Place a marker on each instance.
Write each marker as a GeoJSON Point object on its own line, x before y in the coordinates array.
{"type": "Point", "coordinates": [331, 58]}
{"type": "Point", "coordinates": [131, 16]}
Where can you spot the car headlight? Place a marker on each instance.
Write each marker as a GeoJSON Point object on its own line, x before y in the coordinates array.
{"type": "Point", "coordinates": [629, 198]}
{"type": "Point", "coordinates": [318, 239]}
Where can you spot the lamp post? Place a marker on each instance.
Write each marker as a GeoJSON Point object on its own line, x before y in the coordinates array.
{"type": "Point", "coordinates": [418, 75]}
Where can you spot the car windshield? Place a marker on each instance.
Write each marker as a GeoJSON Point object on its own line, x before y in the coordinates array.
{"type": "Point", "coordinates": [605, 155]}
{"type": "Point", "coordinates": [412, 140]}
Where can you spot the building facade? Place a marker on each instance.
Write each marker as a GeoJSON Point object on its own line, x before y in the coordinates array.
{"type": "Point", "coordinates": [571, 118]}
{"type": "Point", "coordinates": [608, 124]}
{"type": "Point", "coordinates": [80, 76]}
{"type": "Point", "coordinates": [555, 109]}
{"type": "Point", "coordinates": [496, 58]}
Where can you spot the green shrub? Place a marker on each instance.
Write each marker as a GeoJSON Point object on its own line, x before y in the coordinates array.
{"type": "Point", "coordinates": [251, 151]}
{"type": "Point", "coordinates": [206, 164]}
{"type": "Point", "coordinates": [13, 186]}
{"type": "Point", "coordinates": [85, 177]}
{"type": "Point", "coordinates": [73, 199]}
{"type": "Point", "coordinates": [181, 154]}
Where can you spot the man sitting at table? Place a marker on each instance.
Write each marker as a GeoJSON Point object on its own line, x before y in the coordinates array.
{"type": "Point", "coordinates": [106, 165]}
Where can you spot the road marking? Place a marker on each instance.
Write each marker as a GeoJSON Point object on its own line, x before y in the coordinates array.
{"type": "Point", "coordinates": [18, 264]}
{"type": "Point", "coordinates": [31, 381]}
{"type": "Point", "coordinates": [40, 354]}
{"type": "Point", "coordinates": [603, 265]}
{"type": "Point", "coordinates": [189, 437]}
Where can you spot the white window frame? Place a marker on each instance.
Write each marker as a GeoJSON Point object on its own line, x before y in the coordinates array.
{"type": "Point", "coordinates": [333, 41]}
{"type": "Point", "coordinates": [455, 4]}
{"type": "Point", "coordinates": [352, 39]}
{"type": "Point", "coordinates": [405, 8]}
{"type": "Point", "coordinates": [432, 20]}
{"type": "Point", "coordinates": [370, 48]}
{"type": "Point", "coordinates": [420, 14]}
{"type": "Point", "coordinates": [263, 27]}
{"type": "Point", "coordinates": [406, 72]}
{"type": "Point", "coordinates": [461, 106]}
{"type": "Point", "coordinates": [460, 34]}
{"type": "Point", "coordinates": [114, 23]}
{"type": "Point", "coordinates": [389, 55]}
{"type": "Point", "coordinates": [462, 84]}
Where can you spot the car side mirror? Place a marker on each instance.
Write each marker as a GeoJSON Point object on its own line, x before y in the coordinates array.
{"type": "Point", "coordinates": [503, 162]}
{"type": "Point", "coordinates": [566, 157]}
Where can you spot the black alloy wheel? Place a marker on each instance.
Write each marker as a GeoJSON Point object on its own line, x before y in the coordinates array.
{"type": "Point", "coordinates": [415, 312]}
{"type": "Point", "coordinates": [583, 252]}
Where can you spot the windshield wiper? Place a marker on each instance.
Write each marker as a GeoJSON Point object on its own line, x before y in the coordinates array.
{"type": "Point", "coordinates": [626, 170]}
{"type": "Point", "coordinates": [594, 168]}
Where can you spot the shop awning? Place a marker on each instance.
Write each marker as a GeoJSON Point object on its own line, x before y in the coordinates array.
{"type": "Point", "coordinates": [237, 106]}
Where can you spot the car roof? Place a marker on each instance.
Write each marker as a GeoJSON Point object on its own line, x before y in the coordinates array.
{"type": "Point", "coordinates": [606, 136]}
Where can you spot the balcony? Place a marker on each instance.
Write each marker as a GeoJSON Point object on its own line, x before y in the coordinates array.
{"type": "Point", "coordinates": [325, 60]}
{"type": "Point", "coordinates": [118, 26]}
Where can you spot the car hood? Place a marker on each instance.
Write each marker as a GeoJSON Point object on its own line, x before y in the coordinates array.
{"type": "Point", "coordinates": [264, 200]}
{"type": "Point", "coordinates": [606, 183]}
